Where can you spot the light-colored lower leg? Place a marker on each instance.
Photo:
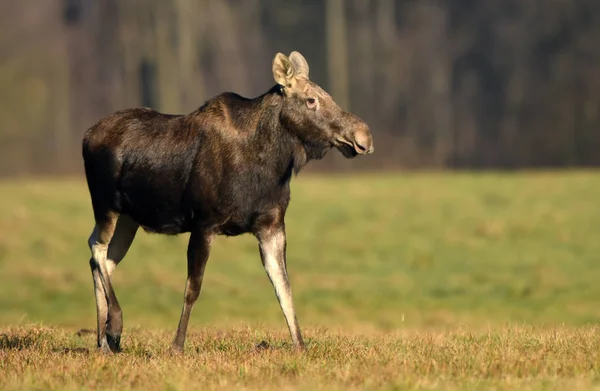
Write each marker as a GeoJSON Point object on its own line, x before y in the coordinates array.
{"type": "Point", "coordinates": [272, 249]}
{"type": "Point", "coordinates": [119, 244]}
{"type": "Point", "coordinates": [101, 300]}
{"type": "Point", "coordinates": [99, 252]}
{"type": "Point", "coordinates": [101, 308]}
{"type": "Point", "coordinates": [99, 242]}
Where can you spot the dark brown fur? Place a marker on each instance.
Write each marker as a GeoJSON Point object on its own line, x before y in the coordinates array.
{"type": "Point", "coordinates": [223, 169]}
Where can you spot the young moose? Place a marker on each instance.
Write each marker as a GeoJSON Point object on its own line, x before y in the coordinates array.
{"type": "Point", "coordinates": [223, 169]}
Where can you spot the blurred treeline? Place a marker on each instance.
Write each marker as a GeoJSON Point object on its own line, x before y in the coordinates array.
{"type": "Point", "coordinates": [454, 83]}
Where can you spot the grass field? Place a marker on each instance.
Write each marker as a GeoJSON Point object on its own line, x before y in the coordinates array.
{"type": "Point", "coordinates": [401, 281]}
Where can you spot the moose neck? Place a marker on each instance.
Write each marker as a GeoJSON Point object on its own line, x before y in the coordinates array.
{"type": "Point", "coordinates": [285, 153]}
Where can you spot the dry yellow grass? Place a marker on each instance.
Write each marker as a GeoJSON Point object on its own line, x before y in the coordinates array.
{"type": "Point", "coordinates": [511, 358]}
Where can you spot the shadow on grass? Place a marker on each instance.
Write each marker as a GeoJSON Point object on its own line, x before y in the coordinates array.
{"type": "Point", "coordinates": [38, 339]}
{"type": "Point", "coordinates": [79, 350]}
{"type": "Point", "coordinates": [16, 342]}
{"type": "Point", "coordinates": [282, 345]}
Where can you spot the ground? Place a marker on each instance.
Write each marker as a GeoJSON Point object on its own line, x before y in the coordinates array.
{"type": "Point", "coordinates": [401, 281]}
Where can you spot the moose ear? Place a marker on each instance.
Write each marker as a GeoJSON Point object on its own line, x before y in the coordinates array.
{"type": "Point", "coordinates": [283, 70]}
{"type": "Point", "coordinates": [300, 64]}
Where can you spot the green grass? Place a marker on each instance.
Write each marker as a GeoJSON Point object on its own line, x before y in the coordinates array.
{"type": "Point", "coordinates": [375, 262]}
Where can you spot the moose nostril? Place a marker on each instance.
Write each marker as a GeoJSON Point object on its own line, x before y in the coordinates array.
{"type": "Point", "coordinates": [362, 148]}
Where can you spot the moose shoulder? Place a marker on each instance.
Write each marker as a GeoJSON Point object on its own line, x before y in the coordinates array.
{"type": "Point", "coordinates": [223, 169]}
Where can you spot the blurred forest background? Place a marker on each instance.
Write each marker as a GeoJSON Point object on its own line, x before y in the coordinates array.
{"type": "Point", "coordinates": [443, 84]}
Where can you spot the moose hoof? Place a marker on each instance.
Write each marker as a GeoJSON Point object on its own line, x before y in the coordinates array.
{"type": "Point", "coordinates": [114, 342]}
{"type": "Point", "coordinates": [300, 347]}
{"type": "Point", "coordinates": [176, 349]}
{"type": "Point", "coordinates": [103, 347]}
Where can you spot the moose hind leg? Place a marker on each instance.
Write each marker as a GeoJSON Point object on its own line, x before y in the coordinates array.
{"type": "Point", "coordinates": [117, 249]}
{"type": "Point", "coordinates": [98, 243]}
{"type": "Point", "coordinates": [101, 307]}
{"type": "Point", "coordinates": [109, 243]}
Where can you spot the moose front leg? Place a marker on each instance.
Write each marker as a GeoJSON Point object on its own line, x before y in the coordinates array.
{"type": "Point", "coordinates": [198, 252]}
{"type": "Point", "coordinates": [272, 245]}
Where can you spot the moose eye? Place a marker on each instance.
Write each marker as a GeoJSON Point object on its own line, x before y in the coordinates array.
{"type": "Point", "coordinates": [311, 101]}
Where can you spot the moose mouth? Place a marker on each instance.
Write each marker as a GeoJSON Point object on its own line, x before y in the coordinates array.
{"type": "Point", "coordinates": [347, 150]}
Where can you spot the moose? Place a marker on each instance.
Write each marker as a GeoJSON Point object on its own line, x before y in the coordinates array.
{"type": "Point", "coordinates": [223, 169]}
